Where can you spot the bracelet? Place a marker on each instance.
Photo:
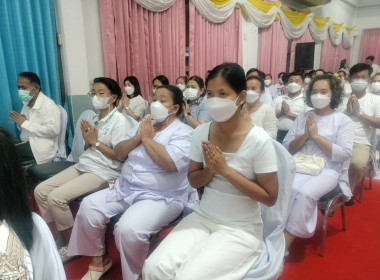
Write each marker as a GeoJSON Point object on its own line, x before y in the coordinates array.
{"type": "Point", "coordinates": [127, 108]}
{"type": "Point", "coordinates": [187, 114]}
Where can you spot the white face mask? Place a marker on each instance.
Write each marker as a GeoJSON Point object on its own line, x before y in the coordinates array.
{"type": "Point", "coordinates": [154, 90]}
{"type": "Point", "coordinates": [252, 96]}
{"type": "Point", "coordinates": [280, 80]}
{"type": "Point", "coordinates": [190, 94]}
{"type": "Point", "coordinates": [267, 82]}
{"type": "Point", "coordinates": [129, 90]}
{"type": "Point", "coordinates": [376, 87]}
{"type": "Point", "coordinates": [359, 84]}
{"type": "Point", "coordinates": [307, 80]}
{"type": "Point", "coordinates": [293, 87]}
{"type": "Point", "coordinates": [181, 86]}
{"type": "Point", "coordinates": [221, 109]}
{"type": "Point", "coordinates": [320, 101]}
{"type": "Point", "coordinates": [158, 112]}
{"type": "Point", "coordinates": [100, 102]}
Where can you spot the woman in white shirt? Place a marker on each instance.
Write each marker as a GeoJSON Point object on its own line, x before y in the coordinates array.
{"type": "Point", "coordinates": [259, 113]}
{"type": "Point", "coordinates": [236, 163]}
{"type": "Point", "coordinates": [323, 132]}
{"type": "Point", "coordinates": [22, 255]}
{"type": "Point", "coordinates": [150, 193]}
{"type": "Point", "coordinates": [132, 104]}
{"type": "Point", "coordinates": [97, 165]}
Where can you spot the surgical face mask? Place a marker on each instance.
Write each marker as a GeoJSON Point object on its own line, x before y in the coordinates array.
{"type": "Point", "coordinates": [221, 109]}
{"type": "Point", "coordinates": [320, 101]}
{"type": "Point", "coordinates": [154, 90]}
{"type": "Point", "coordinates": [129, 90]}
{"type": "Point", "coordinates": [252, 96]}
{"type": "Point", "coordinates": [191, 94]}
{"type": "Point", "coordinates": [293, 87]}
{"type": "Point", "coordinates": [376, 87]}
{"type": "Point", "coordinates": [307, 80]}
{"type": "Point", "coordinates": [24, 96]}
{"type": "Point", "coordinates": [280, 80]}
{"type": "Point", "coordinates": [158, 112]}
{"type": "Point", "coordinates": [359, 84]}
{"type": "Point", "coordinates": [181, 86]}
{"type": "Point", "coordinates": [267, 82]}
{"type": "Point", "coordinates": [100, 102]}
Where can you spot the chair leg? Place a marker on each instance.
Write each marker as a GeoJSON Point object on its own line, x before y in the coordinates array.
{"type": "Point", "coordinates": [370, 183]}
{"type": "Point", "coordinates": [324, 233]}
{"type": "Point", "coordinates": [343, 213]}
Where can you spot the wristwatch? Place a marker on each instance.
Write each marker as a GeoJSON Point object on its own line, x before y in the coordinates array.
{"type": "Point", "coordinates": [97, 144]}
{"type": "Point", "coordinates": [187, 114]}
{"type": "Point", "coordinates": [127, 108]}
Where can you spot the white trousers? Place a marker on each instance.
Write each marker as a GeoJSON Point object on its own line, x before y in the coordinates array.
{"type": "Point", "coordinates": [199, 248]}
{"type": "Point", "coordinates": [303, 204]}
{"type": "Point", "coordinates": [132, 232]}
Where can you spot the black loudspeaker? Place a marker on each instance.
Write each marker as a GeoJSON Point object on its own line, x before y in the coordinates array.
{"type": "Point", "coordinates": [304, 56]}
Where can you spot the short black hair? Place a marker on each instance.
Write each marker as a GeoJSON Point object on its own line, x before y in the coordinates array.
{"type": "Point", "coordinates": [32, 77]}
{"type": "Point", "coordinates": [198, 80]}
{"type": "Point", "coordinates": [281, 73]}
{"type": "Point", "coordinates": [262, 86]}
{"type": "Point", "coordinates": [371, 57]}
{"type": "Point", "coordinates": [336, 90]}
{"type": "Point", "coordinates": [133, 80]}
{"type": "Point", "coordinates": [261, 73]}
{"type": "Point", "coordinates": [177, 96]}
{"type": "Point", "coordinates": [163, 79]}
{"type": "Point", "coordinates": [112, 85]}
{"type": "Point", "coordinates": [285, 78]}
{"type": "Point", "coordinates": [295, 73]}
{"type": "Point", "coordinates": [360, 67]}
{"type": "Point", "coordinates": [232, 73]}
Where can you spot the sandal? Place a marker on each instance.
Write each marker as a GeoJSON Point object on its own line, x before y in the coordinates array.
{"type": "Point", "coordinates": [95, 272]}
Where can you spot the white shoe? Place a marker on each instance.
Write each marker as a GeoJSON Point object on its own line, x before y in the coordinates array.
{"type": "Point", "coordinates": [95, 273]}
{"type": "Point", "coordinates": [64, 257]}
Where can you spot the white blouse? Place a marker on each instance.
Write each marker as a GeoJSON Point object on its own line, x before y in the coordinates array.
{"type": "Point", "coordinates": [137, 106]}
{"type": "Point", "coordinates": [265, 117]}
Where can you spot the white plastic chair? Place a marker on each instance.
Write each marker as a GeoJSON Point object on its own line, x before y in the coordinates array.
{"type": "Point", "coordinates": [272, 254]}
{"type": "Point", "coordinates": [61, 153]}
{"type": "Point", "coordinates": [77, 148]}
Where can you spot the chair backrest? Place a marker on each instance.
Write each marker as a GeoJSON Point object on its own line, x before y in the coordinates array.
{"type": "Point", "coordinates": [61, 153]}
{"type": "Point", "coordinates": [274, 218]}
{"type": "Point", "coordinates": [77, 148]}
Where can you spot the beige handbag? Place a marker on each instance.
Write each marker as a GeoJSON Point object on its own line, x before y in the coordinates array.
{"type": "Point", "coordinates": [306, 164]}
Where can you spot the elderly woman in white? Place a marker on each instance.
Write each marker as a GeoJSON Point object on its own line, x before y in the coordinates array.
{"type": "Point", "coordinates": [259, 113]}
{"type": "Point", "coordinates": [323, 132]}
{"type": "Point", "coordinates": [150, 193]}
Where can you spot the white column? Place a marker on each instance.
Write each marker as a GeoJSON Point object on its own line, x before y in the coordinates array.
{"type": "Point", "coordinates": [250, 43]}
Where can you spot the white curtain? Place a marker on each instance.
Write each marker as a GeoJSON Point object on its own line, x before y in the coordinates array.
{"type": "Point", "coordinates": [260, 18]}
{"type": "Point", "coordinates": [292, 31]}
{"type": "Point", "coordinates": [319, 34]}
{"type": "Point", "coordinates": [216, 13]}
{"type": "Point", "coordinates": [156, 6]}
{"type": "Point", "coordinates": [348, 39]}
{"type": "Point", "coordinates": [335, 37]}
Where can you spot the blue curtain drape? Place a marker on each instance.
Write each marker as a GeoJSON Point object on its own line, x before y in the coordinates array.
{"type": "Point", "coordinates": [27, 43]}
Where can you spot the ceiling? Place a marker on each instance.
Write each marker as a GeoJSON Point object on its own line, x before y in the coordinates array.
{"type": "Point", "coordinates": [362, 3]}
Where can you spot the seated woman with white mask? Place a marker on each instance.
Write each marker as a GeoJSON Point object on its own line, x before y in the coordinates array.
{"type": "Point", "coordinates": [236, 163]}
{"type": "Point", "coordinates": [259, 113]}
{"type": "Point", "coordinates": [375, 86]}
{"type": "Point", "coordinates": [132, 104]}
{"type": "Point", "coordinates": [323, 132]}
{"type": "Point", "coordinates": [151, 192]}
{"type": "Point", "coordinates": [195, 108]}
{"type": "Point", "coordinates": [181, 83]}
{"type": "Point", "coordinates": [97, 165]}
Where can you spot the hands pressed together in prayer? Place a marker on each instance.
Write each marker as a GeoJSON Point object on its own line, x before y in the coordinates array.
{"type": "Point", "coordinates": [311, 128]}
{"type": "Point", "coordinates": [17, 118]}
{"type": "Point", "coordinates": [89, 132]}
{"type": "Point", "coordinates": [214, 158]}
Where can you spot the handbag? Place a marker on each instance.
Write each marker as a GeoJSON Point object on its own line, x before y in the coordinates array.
{"type": "Point", "coordinates": [309, 164]}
